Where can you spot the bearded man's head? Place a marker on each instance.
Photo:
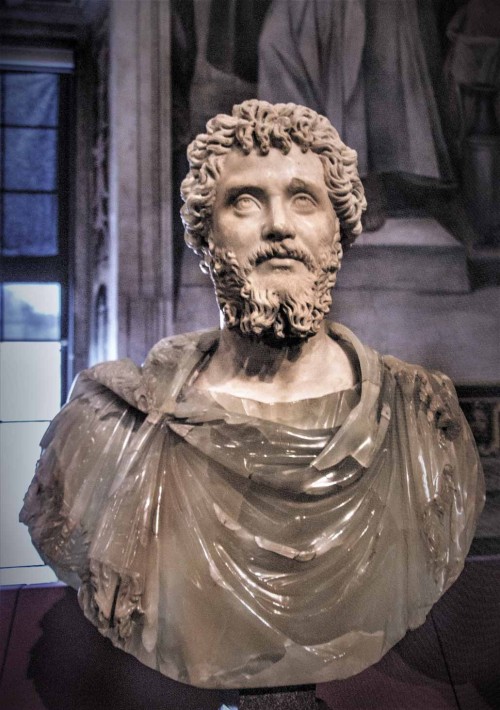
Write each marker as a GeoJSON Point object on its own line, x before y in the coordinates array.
{"type": "Point", "coordinates": [260, 126]}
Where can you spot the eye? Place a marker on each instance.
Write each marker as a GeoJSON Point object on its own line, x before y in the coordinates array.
{"type": "Point", "coordinates": [246, 204]}
{"type": "Point", "coordinates": [304, 202]}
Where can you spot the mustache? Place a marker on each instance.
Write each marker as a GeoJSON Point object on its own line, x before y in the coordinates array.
{"type": "Point", "coordinates": [281, 251]}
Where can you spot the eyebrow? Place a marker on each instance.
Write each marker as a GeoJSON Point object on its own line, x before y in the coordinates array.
{"type": "Point", "coordinates": [299, 185]}
{"type": "Point", "coordinates": [233, 192]}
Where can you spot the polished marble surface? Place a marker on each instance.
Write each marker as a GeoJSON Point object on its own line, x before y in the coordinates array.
{"type": "Point", "coordinates": [53, 659]}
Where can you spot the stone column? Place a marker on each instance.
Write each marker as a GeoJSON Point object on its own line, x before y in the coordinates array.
{"type": "Point", "coordinates": [140, 284]}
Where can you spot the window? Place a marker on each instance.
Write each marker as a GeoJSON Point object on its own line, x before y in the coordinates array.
{"type": "Point", "coordinates": [34, 291]}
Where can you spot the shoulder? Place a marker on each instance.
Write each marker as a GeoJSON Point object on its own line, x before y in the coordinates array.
{"type": "Point", "coordinates": [145, 387]}
{"type": "Point", "coordinates": [428, 390]}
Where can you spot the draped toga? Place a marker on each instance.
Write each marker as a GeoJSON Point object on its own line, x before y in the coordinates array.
{"type": "Point", "coordinates": [230, 543]}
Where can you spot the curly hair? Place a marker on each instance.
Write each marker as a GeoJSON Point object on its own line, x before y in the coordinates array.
{"type": "Point", "coordinates": [261, 125]}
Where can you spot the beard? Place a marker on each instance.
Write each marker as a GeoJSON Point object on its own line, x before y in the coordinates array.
{"type": "Point", "coordinates": [274, 313]}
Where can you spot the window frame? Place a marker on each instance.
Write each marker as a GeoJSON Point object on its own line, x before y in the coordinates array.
{"type": "Point", "coordinates": [57, 268]}
{"type": "Point", "coordinates": [60, 269]}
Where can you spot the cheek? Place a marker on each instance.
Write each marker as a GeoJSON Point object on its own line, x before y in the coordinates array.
{"type": "Point", "coordinates": [223, 232]}
{"type": "Point", "coordinates": [333, 230]}
{"type": "Point", "coordinates": [322, 233]}
{"type": "Point", "coordinates": [323, 220]}
{"type": "Point", "coordinates": [239, 235]}
{"type": "Point", "coordinates": [231, 241]}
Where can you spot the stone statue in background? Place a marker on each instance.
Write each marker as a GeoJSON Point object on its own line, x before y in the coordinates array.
{"type": "Point", "coordinates": [271, 503]}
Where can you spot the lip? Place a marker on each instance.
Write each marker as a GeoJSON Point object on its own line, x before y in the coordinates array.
{"type": "Point", "coordinates": [280, 262]}
{"type": "Point", "coordinates": [278, 258]}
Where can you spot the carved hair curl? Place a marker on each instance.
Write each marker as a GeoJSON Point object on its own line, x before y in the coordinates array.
{"type": "Point", "coordinates": [259, 124]}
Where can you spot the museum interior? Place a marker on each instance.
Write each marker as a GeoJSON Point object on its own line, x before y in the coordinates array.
{"type": "Point", "coordinates": [99, 101]}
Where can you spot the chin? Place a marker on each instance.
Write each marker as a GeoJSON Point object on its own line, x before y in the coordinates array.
{"type": "Point", "coordinates": [286, 284]}
{"type": "Point", "coordinates": [279, 318]}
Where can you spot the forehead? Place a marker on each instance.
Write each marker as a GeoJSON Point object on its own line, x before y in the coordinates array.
{"type": "Point", "coordinates": [272, 169]}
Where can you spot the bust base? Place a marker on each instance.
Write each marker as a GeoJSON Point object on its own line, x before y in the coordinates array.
{"type": "Point", "coordinates": [291, 698]}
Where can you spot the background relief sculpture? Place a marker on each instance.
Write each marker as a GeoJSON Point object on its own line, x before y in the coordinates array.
{"type": "Point", "coordinates": [271, 503]}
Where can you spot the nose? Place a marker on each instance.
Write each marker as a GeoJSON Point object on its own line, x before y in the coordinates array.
{"type": "Point", "coordinates": [277, 225]}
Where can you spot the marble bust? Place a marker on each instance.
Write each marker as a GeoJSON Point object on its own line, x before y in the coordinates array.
{"type": "Point", "coordinates": [271, 503]}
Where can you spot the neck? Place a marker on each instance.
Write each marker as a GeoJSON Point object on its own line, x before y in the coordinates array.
{"type": "Point", "coordinates": [277, 371]}
{"type": "Point", "coordinates": [267, 360]}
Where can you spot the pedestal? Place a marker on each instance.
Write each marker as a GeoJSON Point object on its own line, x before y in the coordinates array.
{"type": "Point", "coordinates": [298, 698]}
